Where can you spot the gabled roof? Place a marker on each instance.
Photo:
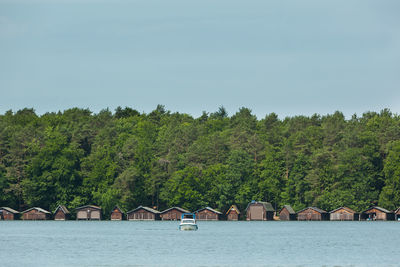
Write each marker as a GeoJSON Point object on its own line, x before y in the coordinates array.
{"type": "Point", "coordinates": [233, 207]}
{"type": "Point", "coordinates": [9, 210]}
{"type": "Point", "coordinates": [144, 208]}
{"type": "Point", "coordinates": [63, 209]}
{"type": "Point", "coordinates": [210, 209]}
{"type": "Point", "coordinates": [378, 208]}
{"type": "Point", "coordinates": [38, 209]}
{"type": "Point", "coordinates": [117, 207]}
{"type": "Point", "coordinates": [267, 205]}
{"type": "Point", "coordinates": [288, 208]}
{"type": "Point", "coordinates": [178, 208]}
{"type": "Point", "coordinates": [313, 208]}
{"type": "Point", "coordinates": [88, 206]}
{"type": "Point", "coordinates": [344, 208]}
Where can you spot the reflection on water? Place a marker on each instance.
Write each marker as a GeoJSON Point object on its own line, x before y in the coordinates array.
{"type": "Point", "coordinates": [127, 243]}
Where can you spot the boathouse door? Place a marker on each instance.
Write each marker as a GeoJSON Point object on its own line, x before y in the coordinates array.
{"type": "Point", "coordinates": [257, 213]}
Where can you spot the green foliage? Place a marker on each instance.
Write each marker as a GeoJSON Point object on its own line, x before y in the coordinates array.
{"type": "Point", "coordinates": [163, 159]}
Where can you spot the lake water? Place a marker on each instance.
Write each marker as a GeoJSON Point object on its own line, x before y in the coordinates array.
{"type": "Point", "coordinates": [127, 243]}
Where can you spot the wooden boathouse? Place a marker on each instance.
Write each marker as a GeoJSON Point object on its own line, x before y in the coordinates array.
{"type": "Point", "coordinates": [376, 213]}
{"type": "Point", "coordinates": [259, 211]}
{"type": "Point", "coordinates": [7, 213]}
{"type": "Point", "coordinates": [233, 213]}
{"type": "Point", "coordinates": [208, 214]}
{"type": "Point", "coordinates": [172, 214]}
{"type": "Point", "coordinates": [88, 212]}
{"type": "Point", "coordinates": [61, 213]}
{"type": "Point", "coordinates": [142, 213]}
{"type": "Point", "coordinates": [312, 214]}
{"type": "Point", "coordinates": [36, 214]}
{"type": "Point", "coordinates": [343, 214]}
{"type": "Point", "coordinates": [287, 213]}
{"type": "Point", "coordinates": [117, 214]}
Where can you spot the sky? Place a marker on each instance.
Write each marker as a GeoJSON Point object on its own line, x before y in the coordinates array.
{"type": "Point", "coordinates": [288, 57]}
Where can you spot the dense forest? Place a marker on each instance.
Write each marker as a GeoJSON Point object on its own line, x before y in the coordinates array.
{"type": "Point", "coordinates": [166, 159]}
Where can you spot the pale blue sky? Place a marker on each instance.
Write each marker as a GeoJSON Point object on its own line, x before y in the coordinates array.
{"type": "Point", "coordinates": [287, 57]}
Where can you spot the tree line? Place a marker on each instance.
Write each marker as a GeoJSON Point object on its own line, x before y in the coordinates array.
{"type": "Point", "coordinates": [163, 159]}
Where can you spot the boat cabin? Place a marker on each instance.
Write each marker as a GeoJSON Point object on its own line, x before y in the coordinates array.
{"type": "Point", "coordinates": [172, 214]}
{"type": "Point", "coordinates": [376, 213]}
{"type": "Point", "coordinates": [287, 213]}
{"type": "Point", "coordinates": [343, 214]}
{"type": "Point", "coordinates": [143, 214]}
{"type": "Point", "coordinates": [117, 214]}
{"type": "Point", "coordinates": [312, 214]}
{"type": "Point", "coordinates": [88, 212]}
{"type": "Point", "coordinates": [208, 214]}
{"type": "Point", "coordinates": [259, 211]}
{"type": "Point", "coordinates": [36, 214]}
{"type": "Point", "coordinates": [233, 213]}
{"type": "Point", "coordinates": [61, 213]}
{"type": "Point", "coordinates": [7, 213]}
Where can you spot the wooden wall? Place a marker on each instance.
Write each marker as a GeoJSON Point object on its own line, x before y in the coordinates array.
{"type": "Point", "coordinates": [309, 215]}
{"type": "Point", "coordinates": [375, 214]}
{"type": "Point", "coordinates": [343, 215]}
{"type": "Point", "coordinates": [232, 216]}
{"type": "Point", "coordinates": [88, 214]}
{"type": "Point", "coordinates": [116, 215]}
{"type": "Point", "coordinates": [285, 215]}
{"type": "Point", "coordinates": [207, 215]}
{"type": "Point", "coordinates": [35, 215]}
{"type": "Point", "coordinates": [60, 215]}
{"type": "Point", "coordinates": [6, 215]}
{"type": "Point", "coordinates": [256, 212]}
{"type": "Point", "coordinates": [171, 215]}
{"type": "Point", "coordinates": [142, 215]}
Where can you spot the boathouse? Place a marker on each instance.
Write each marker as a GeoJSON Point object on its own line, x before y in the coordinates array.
{"type": "Point", "coordinates": [61, 213]}
{"type": "Point", "coordinates": [287, 213]}
{"type": "Point", "coordinates": [208, 214]}
{"type": "Point", "coordinates": [312, 214]}
{"type": "Point", "coordinates": [172, 214]}
{"type": "Point", "coordinates": [143, 214]}
{"type": "Point", "coordinates": [376, 213]}
{"type": "Point", "coordinates": [259, 211]}
{"type": "Point", "coordinates": [117, 214]}
{"type": "Point", "coordinates": [343, 214]}
{"type": "Point", "coordinates": [88, 212]}
{"type": "Point", "coordinates": [36, 214]}
{"type": "Point", "coordinates": [7, 213]}
{"type": "Point", "coordinates": [233, 213]}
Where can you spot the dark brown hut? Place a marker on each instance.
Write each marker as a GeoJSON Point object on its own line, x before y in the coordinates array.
{"type": "Point", "coordinates": [36, 214]}
{"type": "Point", "coordinates": [117, 214]}
{"type": "Point", "coordinates": [312, 214]}
{"type": "Point", "coordinates": [8, 213]}
{"type": "Point", "coordinates": [172, 214]}
{"type": "Point", "coordinates": [343, 214]}
{"type": "Point", "coordinates": [61, 213]}
{"type": "Point", "coordinates": [287, 213]}
{"type": "Point", "coordinates": [377, 214]}
{"type": "Point", "coordinates": [259, 211]}
{"type": "Point", "coordinates": [233, 213]}
{"type": "Point", "coordinates": [143, 214]}
{"type": "Point", "coordinates": [208, 214]}
{"type": "Point", "coordinates": [88, 212]}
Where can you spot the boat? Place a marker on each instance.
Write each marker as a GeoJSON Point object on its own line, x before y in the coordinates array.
{"type": "Point", "coordinates": [188, 222]}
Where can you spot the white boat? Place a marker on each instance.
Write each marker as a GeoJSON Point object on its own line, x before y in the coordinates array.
{"type": "Point", "coordinates": [188, 222]}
